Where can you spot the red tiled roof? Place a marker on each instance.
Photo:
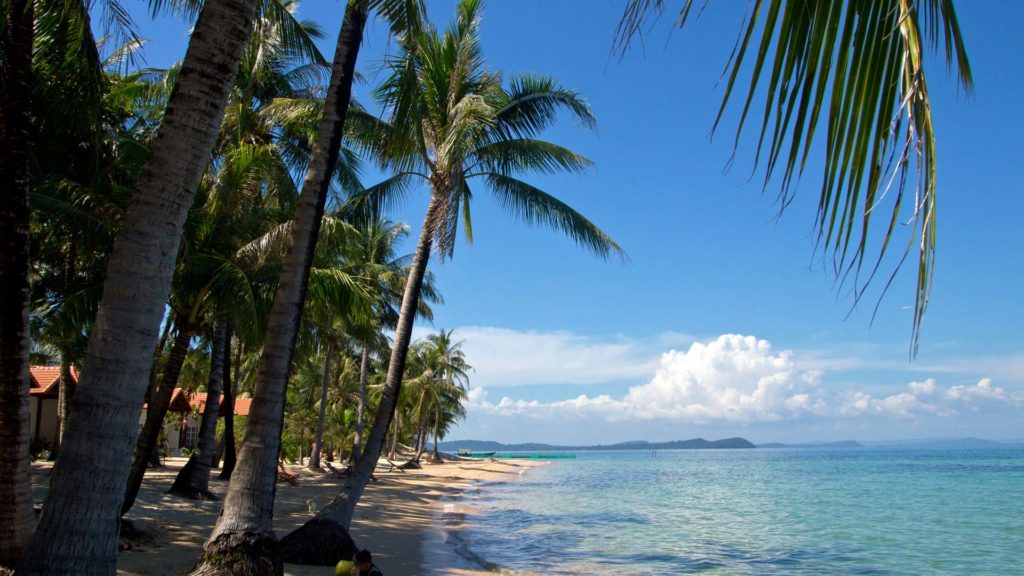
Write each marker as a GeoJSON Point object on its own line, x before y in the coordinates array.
{"type": "Point", "coordinates": [198, 400]}
{"type": "Point", "coordinates": [46, 380]}
{"type": "Point", "coordinates": [179, 402]}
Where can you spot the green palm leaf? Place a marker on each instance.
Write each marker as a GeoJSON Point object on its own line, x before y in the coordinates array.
{"type": "Point", "coordinates": [861, 64]}
{"type": "Point", "coordinates": [534, 206]}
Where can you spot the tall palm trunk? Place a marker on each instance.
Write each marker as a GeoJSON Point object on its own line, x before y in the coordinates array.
{"type": "Point", "coordinates": [64, 391]}
{"type": "Point", "coordinates": [15, 125]}
{"type": "Point", "coordinates": [159, 402]}
{"type": "Point", "coordinates": [77, 533]}
{"type": "Point", "coordinates": [193, 480]}
{"type": "Point", "coordinates": [243, 536]}
{"type": "Point", "coordinates": [154, 381]}
{"type": "Point", "coordinates": [63, 402]}
{"type": "Point", "coordinates": [229, 407]}
{"type": "Point", "coordinates": [314, 456]}
{"type": "Point", "coordinates": [364, 374]}
{"type": "Point", "coordinates": [421, 436]}
{"type": "Point", "coordinates": [320, 540]}
{"type": "Point", "coordinates": [421, 443]}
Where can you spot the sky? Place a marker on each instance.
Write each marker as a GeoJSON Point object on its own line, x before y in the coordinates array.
{"type": "Point", "coordinates": [724, 321]}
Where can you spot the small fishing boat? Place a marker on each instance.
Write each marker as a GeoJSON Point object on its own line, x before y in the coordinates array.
{"type": "Point", "coordinates": [468, 453]}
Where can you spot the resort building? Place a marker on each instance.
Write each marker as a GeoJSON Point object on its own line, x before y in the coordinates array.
{"type": "Point", "coordinates": [181, 426]}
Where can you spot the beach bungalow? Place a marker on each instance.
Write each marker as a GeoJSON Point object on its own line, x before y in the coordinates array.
{"type": "Point", "coordinates": [190, 424]}
{"type": "Point", "coordinates": [181, 427]}
{"type": "Point", "coordinates": [43, 395]}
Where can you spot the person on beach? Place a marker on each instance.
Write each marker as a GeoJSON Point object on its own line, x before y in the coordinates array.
{"type": "Point", "coordinates": [364, 565]}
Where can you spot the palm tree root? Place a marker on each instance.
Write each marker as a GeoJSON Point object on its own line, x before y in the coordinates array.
{"type": "Point", "coordinates": [318, 542]}
{"type": "Point", "coordinates": [245, 554]}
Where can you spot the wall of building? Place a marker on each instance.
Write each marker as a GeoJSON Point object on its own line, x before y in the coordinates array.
{"type": "Point", "coordinates": [47, 430]}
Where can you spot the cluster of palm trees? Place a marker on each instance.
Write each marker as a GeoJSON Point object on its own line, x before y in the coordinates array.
{"type": "Point", "coordinates": [237, 245]}
{"type": "Point", "coordinates": [208, 225]}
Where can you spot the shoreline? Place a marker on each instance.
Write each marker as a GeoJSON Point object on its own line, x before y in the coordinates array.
{"type": "Point", "coordinates": [445, 551]}
{"type": "Point", "coordinates": [405, 518]}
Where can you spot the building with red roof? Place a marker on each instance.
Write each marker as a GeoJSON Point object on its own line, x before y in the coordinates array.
{"type": "Point", "coordinates": [180, 429]}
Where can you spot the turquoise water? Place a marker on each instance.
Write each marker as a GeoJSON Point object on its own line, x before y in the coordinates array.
{"type": "Point", "coordinates": [765, 511]}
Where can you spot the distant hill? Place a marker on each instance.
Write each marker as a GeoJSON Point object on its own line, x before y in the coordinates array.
{"type": "Point", "coordinates": [840, 444]}
{"type": "Point", "coordinates": [694, 444]}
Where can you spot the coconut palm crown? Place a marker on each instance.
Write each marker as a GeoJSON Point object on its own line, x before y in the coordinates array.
{"type": "Point", "coordinates": [453, 122]}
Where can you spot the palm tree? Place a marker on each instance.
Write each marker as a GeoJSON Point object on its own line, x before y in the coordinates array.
{"type": "Point", "coordinates": [865, 59]}
{"type": "Point", "coordinates": [193, 480]}
{"type": "Point", "coordinates": [16, 516]}
{"type": "Point", "coordinates": [77, 532]}
{"type": "Point", "coordinates": [439, 388]}
{"type": "Point", "coordinates": [454, 121]}
{"type": "Point", "coordinates": [375, 250]}
{"type": "Point", "coordinates": [448, 383]}
{"type": "Point", "coordinates": [245, 195]}
{"type": "Point", "coordinates": [85, 159]}
{"type": "Point", "coordinates": [243, 532]}
{"type": "Point", "coordinates": [81, 151]}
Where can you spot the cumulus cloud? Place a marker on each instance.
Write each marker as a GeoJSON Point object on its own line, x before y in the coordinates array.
{"type": "Point", "coordinates": [741, 379]}
{"type": "Point", "coordinates": [734, 378]}
{"type": "Point", "coordinates": [927, 397]}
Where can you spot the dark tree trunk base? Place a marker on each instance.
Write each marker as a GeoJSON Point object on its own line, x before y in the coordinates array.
{"type": "Point", "coordinates": [245, 554]}
{"type": "Point", "coordinates": [319, 542]}
{"type": "Point", "coordinates": [190, 482]}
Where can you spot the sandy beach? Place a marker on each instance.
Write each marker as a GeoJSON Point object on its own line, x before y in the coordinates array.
{"type": "Point", "coordinates": [401, 517]}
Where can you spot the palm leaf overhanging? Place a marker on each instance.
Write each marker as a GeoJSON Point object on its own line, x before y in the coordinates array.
{"type": "Point", "coordinates": [862, 61]}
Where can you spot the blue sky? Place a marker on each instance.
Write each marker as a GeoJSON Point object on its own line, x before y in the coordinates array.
{"type": "Point", "coordinates": [724, 322]}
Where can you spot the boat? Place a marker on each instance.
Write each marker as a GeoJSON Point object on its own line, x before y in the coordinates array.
{"type": "Point", "coordinates": [468, 453]}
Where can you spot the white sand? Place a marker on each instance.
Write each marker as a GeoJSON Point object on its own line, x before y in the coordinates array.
{"type": "Point", "coordinates": [398, 517]}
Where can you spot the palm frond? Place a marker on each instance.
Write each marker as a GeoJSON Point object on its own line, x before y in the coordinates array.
{"type": "Point", "coordinates": [862, 64]}
{"type": "Point", "coordinates": [531, 104]}
{"type": "Point", "coordinates": [534, 206]}
{"type": "Point", "coordinates": [518, 155]}
{"type": "Point", "coordinates": [405, 17]}
{"type": "Point", "coordinates": [379, 199]}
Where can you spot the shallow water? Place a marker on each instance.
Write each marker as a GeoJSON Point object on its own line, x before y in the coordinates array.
{"type": "Point", "coordinates": [764, 511]}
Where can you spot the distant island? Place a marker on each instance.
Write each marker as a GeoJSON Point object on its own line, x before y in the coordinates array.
{"type": "Point", "coordinates": [840, 444]}
{"type": "Point", "coordinates": [702, 444]}
{"type": "Point", "coordinates": [693, 444]}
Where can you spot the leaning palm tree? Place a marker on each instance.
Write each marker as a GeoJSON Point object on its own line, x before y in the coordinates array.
{"type": "Point", "coordinates": [454, 122]}
{"type": "Point", "coordinates": [247, 192]}
{"type": "Point", "coordinates": [243, 535]}
{"type": "Point", "coordinates": [860, 62]}
{"type": "Point", "coordinates": [78, 529]}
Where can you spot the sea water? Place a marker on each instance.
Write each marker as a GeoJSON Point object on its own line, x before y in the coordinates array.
{"type": "Point", "coordinates": [760, 511]}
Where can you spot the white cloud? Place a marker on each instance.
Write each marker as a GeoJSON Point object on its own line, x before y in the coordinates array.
{"type": "Point", "coordinates": [737, 379]}
{"type": "Point", "coordinates": [734, 378]}
{"type": "Point", "coordinates": [927, 397]}
{"type": "Point", "coordinates": [503, 357]}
